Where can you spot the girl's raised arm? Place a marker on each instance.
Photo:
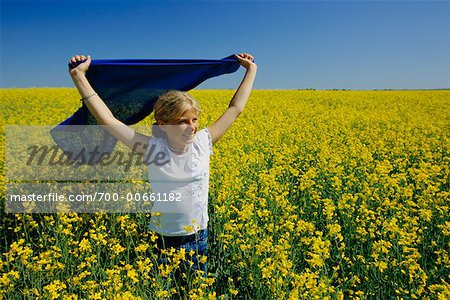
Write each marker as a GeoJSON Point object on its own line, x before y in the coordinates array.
{"type": "Point", "coordinates": [239, 100]}
{"type": "Point", "coordinates": [134, 140]}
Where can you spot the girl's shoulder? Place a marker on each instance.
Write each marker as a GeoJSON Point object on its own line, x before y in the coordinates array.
{"type": "Point", "coordinates": [203, 139]}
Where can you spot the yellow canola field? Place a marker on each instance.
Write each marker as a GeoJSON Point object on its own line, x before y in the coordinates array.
{"type": "Point", "coordinates": [313, 195]}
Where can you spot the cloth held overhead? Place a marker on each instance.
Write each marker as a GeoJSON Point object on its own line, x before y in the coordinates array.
{"type": "Point", "coordinates": [130, 88]}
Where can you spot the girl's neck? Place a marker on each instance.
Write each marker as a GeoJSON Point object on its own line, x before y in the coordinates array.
{"type": "Point", "coordinates": [177, 149]}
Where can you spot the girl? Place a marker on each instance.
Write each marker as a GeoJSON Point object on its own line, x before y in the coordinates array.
{"type": "Point", "coordinates": [187, 150]}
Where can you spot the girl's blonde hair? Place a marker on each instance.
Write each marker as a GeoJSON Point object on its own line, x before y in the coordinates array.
{"type": "Point", "coordinates": [171, 106]}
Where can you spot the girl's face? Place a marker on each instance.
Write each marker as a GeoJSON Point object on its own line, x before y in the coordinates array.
{"type": "Point", "coordinates": [182, 131]}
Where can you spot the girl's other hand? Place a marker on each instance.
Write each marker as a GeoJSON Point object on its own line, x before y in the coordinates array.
{"type": "Point", "coordinates": [80, 68]}
{"type": "Point", "coordinates": [246, 60]}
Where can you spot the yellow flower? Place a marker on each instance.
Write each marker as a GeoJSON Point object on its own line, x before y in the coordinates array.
{"type": "Point", "coordinates": [233, 291]}
{"type": "Point", "coordinates": [132, 274]}
{"type": "Point", "coordinates": [203, 259]}
{"type": "Point", "coordinates": [85, 245]}
{"type": "Point", "coordinates": [117, 248]}
{"type": "Point", "coordinates": [141, 247]}
{"type": "Point", "coordinates": [54, 288]}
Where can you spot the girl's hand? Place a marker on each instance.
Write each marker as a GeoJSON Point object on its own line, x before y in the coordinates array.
{"type": "Point", "coordinates": [80, 68]}
{"type": "Point", "coordinates": [246, 60]}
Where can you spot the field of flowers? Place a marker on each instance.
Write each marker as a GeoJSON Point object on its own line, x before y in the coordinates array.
{"type": "Point", "coordinates": [313, 195]}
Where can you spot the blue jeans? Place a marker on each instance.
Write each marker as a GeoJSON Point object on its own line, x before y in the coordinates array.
{"type": "Point", "coordinates": [197, 242]}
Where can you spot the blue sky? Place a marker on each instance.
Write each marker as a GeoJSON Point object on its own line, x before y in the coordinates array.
{"type": "Point", "coordinates": [296, 44]}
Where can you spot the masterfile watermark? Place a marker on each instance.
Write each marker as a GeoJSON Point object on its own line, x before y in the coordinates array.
{"type": "Point", "coordinates": [85, 169]}
{"type": "Point", "coordinates": [53, 156]}
{"type": "Point", "coordinates": [82, 153]}
{"type": "Point", "coordinates": [92, 197]}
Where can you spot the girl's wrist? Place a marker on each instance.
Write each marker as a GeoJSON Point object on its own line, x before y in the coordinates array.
{"type": "Point", "coordinates": [252, 67]}
{"type": "Point", "coordinates": [75, 74]}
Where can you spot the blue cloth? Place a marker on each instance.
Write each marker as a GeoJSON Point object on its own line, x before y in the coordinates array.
{"type": "Point", "coordinates": [130, 88]}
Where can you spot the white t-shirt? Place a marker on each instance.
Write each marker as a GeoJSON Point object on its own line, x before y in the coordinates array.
{"type": "Point", "coordinates": [183, 181]}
